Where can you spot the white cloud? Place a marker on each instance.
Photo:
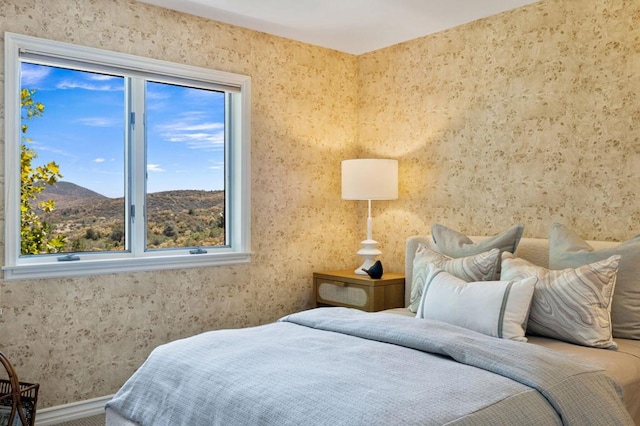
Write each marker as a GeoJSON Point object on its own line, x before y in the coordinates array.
{"type": "Point", "coordinates": [98, 122]}
{"type": "Point", "coordinates": [102, 77]}
{"type": "Point", "coordinates": [202, 141]}
{"type": "Point", "coordinates": [182, 126]}
{"type": "Point", "coordinates": [68, 84]}
{"type": "Point", "coordinates": [156, 95]}
{"type": "Point", "coordinates": [99, 160]}
{"type": "Point", "coordinates": [56, 151]}
{"type": "Point", "coordinates": [154, 168]}
{"type": "Point", "coordinates": [207, 136]}
{"type": "Point", "coordinates": [31, 75]}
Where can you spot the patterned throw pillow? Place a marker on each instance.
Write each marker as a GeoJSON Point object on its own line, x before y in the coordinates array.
{"type": "Point", "coordinates": [568, 250]}
{"type": "Point", "coordinates": [494, 308]}
{"type": "Point", "coordinates": [573, 305]}
{"type": "Point", "coordinates": [480, 267]}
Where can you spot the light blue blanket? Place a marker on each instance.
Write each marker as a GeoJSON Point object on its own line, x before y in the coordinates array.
{"type": "Point", "coordinates": [335, 366]}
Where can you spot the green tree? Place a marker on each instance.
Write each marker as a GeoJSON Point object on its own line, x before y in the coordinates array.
{"type": "Point", "coordinates": [35, 234]}
{"type": "Point", "coordinates": [220, 220]}
{"type": "Point", "coordinates": [169, 230]}
{"type": "Point", "coordinates": [92, 234]}
{"type": "Point", "coordinates": [77, 245]}
{"type": "Point", "coordinates": [117, 234]}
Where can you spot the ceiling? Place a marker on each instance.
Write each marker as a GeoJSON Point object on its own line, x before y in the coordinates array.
{"type": "Point", "coordinates": [352, 26]}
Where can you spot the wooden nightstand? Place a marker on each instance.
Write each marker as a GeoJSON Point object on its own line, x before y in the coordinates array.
{"type": "Point", "coordinates": [347, 289]}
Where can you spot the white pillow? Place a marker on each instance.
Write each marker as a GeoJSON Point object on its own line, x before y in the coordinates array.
{"type": "Point", "coordinates": [496, 308]}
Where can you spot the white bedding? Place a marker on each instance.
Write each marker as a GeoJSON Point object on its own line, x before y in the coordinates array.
{"type": "Point", "coordinates": [338, 366]}
{"type": "Point", "coordinates": [623, 364]}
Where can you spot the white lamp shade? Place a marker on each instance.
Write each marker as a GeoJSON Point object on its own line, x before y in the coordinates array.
{"type": "Point", "coordinates": [370, 179]}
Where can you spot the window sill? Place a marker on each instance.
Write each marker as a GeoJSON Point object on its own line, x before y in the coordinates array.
{"type": "Point", "coordinates": [83, 267]}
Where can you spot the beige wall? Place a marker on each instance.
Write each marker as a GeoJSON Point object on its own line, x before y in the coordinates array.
{"type": "Point", "coordinates": [82, 337]}
{"type": "Point", "coordinates": [530, 116]}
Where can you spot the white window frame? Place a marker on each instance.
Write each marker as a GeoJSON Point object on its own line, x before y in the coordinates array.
{"type": "Point", "coordinates": [237, 170]}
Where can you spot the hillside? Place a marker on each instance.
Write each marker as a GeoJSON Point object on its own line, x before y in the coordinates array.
{"type": "Point", "coordinates": [93, 222]}
{"type": "Point", "coordinates": [74, 199]}
{"type": "Point", "coordinates": [67, 194]}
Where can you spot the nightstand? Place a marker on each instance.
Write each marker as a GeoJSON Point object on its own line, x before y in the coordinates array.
{"type": "Point", "coordinates": [348, 289]}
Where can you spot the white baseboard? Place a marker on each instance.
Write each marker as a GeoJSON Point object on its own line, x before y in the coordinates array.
{"type": "Point", "coordinates": [73, 411]}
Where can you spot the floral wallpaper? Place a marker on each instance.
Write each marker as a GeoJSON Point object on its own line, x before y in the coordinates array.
{"type": "Point", "coordinates": [530, 116]}
{"type": "Point", "coordinates": [81, 338]}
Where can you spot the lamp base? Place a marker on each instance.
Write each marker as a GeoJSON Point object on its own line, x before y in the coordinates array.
{"type": "Point", "coordinates": [368, 252]}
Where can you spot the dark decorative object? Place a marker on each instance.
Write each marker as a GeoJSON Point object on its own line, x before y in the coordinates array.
{"type": "Point", "coordinates": [375, 271]}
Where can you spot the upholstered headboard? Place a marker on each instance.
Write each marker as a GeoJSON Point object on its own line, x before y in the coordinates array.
{"type": "Point", "coordinates": [535, 250]}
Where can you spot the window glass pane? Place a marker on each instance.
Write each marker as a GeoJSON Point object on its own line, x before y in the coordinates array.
{"type": "Point", "coordinates": [72, 161]}
{"type": "Point", "coordinates": [95, 139]}
{"type": "Point", "coordinates": [185, 201]}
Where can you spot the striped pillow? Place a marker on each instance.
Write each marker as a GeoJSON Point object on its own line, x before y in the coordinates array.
{"type": "Point", "coordinates": [495, 308]}
{"type": "Point", "coordinates": [480, 267]}
{"type": "Point", "coordinates": [573, 305]}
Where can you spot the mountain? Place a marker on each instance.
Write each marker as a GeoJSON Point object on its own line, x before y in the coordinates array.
{"type": "Point", "coordinates": [67, 195]}
{"type": "Point", "coordinates": [75, 200]}
{"type": "Point", "coordinates": [92, 222]}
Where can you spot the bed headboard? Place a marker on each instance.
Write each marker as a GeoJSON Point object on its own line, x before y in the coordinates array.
{"type": "Point", "coordinates": [535, 250]}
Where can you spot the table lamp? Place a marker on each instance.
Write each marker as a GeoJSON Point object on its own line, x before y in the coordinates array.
{"type": "Point", "coordinates": [369, 179]}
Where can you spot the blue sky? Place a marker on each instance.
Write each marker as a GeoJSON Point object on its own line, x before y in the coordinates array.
{"type": "Point", "coordinates": [82, 130]}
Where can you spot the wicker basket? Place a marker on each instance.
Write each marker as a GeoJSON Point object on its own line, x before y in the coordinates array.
{"type": "Point", "coordinates": [17, 399]}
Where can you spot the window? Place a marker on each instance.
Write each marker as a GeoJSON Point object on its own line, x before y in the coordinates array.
{"type": "Point", "coordinates": [120, 163]}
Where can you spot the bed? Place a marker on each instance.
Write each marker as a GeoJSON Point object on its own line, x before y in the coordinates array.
{"type": "Point", "coordinates": [341, 366]}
